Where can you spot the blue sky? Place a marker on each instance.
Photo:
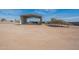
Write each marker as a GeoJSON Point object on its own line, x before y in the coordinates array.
{"type": "Point", "coordinates": [47, 14]}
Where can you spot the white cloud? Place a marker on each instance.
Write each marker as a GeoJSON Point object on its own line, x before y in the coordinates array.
{"type": "Point", "coordinates": [10, 11]}
{"type": "Point", "coordinates": [71, 17]}
{"type": "Point", "coordinates": [50, 10]}
{"type": "Point", "coordinates": [74, 18]}
{"type": "Point", "coordinates": [45, 11]}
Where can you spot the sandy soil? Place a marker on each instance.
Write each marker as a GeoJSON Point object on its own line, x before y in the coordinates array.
{"type": "Point", "coordinates": [38, 37]}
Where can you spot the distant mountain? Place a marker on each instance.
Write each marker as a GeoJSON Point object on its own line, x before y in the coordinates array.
{"type": "Point", "coordinates": [75, 23]}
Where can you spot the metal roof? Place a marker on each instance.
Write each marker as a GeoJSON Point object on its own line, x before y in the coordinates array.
{"type": "Point", "coordinates": [31, 15]}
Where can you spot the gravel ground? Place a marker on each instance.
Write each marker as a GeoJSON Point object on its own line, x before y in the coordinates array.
{"type": "Point", "coordinates": [38, 37]}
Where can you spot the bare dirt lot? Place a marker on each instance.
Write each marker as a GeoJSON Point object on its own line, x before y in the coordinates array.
{"type": "Point", "coordinates": [35, 37]}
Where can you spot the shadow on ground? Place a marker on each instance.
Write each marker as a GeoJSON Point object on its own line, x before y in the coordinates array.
{"type": "Point", "coordinates": [56, 25]}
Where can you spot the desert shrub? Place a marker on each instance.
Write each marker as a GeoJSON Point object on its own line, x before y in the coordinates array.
{"type": "Point", "coordinates": [3, 19]}
{"type": "Point", "coordinates": [58, 21]}
{"type": "Point", "coordinates": [11, 20]}
{"type": "Point", "coordinates": [17, 21]}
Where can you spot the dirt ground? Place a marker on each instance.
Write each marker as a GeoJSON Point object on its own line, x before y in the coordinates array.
{"type": "Point", "coordinates": [38, 37]}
